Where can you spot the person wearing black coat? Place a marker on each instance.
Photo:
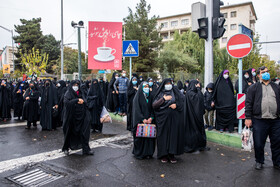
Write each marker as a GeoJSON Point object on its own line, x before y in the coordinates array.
{"type": "Point", "coordinates": [195, 136]}
{"type": "Point", "coordinates": [112, 102]}
{"type": "Point", "coordinates": [104, 88]}
{"type": "Point", "coordinates": [131, 92]}
{"type": "Point", "coordinates": [61, 90]}
{"type": "Point", "coordinates": [76, 120]}
{"type": "Point", "coordinates": [95, 101]}
{"type": "Point", "coordinates": [186, 85]}
{"type": "Point", "coordinates": [18, 99]}
{"type": "Point", "coordinates": [5, 100]}
{"type": "Point", "coordinates": [168, 105]}
{"type": "Point", "coordinates": [142, 112]}
{"type": "Point", "coordinates": [31, 106]}
{"type": "Point", "coordinates": [49, 103]}
{"type": "Point", "coordinates": [209, 106]}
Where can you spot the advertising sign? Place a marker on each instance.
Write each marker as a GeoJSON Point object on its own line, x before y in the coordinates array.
{"type": "Point", "coordinates": [105, 45]}
{"type": "Point", "coordinates": [6, 69]}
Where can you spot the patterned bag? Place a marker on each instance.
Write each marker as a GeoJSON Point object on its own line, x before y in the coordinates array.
{"type": "Point", "coordinates": [146, 131]}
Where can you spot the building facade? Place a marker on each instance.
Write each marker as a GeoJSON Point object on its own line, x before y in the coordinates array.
{"type": "Point", "coordinates": [6, 57]}
{"type": "Point", "coordinates": [243, 13]}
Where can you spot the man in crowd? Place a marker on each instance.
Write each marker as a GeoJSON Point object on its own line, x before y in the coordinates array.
{"type": "Point", "coordinates": [122, 84]}
{"type": "Point", "coordinates": [262, 111]}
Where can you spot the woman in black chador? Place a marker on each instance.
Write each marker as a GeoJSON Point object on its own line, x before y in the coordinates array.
{"type": "Point", "coordinates": [18, 99]}
{"type": "Point", "coordinates": [48, 102]}
{"type": "Point", "coordinates": [61, 90]}
{"type": "Point", "coordinates": [225, 104]}
{"type": "Point", "coordinates": [76, 120]}
{"type": "Point", "coordinates": [5, 100]}
{"type": "Point", "coordinates": [112, 102]}
{"type": "Point", "coordinates": [131, 92]}
{"type": "Point", "coordinates": [168, 106]}
{"type": "Point", "coordinates": [142, 113]}
{"type": "Point", "coordinates": [195, 137]}
{"type": "Point", "coordinates": [31, 106]}
{"type": "Point", "coordinates": [95, 101]}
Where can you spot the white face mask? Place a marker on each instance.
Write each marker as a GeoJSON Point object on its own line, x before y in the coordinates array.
{"type": "Point", "coordinates": [246, 76]}
{"type": "Point", "coordinates": [123, 74]}
{"type": "Point", "coordinates": [210, 91]}
{"type": "Point", "coordinates": [116, 77]}
{"type": "Point", "coordinates": [58, 85]}
{"type": "Point", "coordinates": [75, 88]}
{"type": "Point", "coordinates": [226, 76]}
{"type": "Point", "coordinates": [254, 73]}
{"type": "Point", "coordinates": [168, 87]}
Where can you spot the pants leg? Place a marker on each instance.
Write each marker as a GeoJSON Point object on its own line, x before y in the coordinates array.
{"type": "Point", "coordinates": [274, 136]}
{"type": "Point", "coordinates": [121, 102]}
{"type": "Point", "coordinates": [28, 124]}
{"type": "Point", "coordinates": [206, 117]}
{"type": "Point", "coordinates": [211, 115]}
{"type": "Point", "coordinates": [125, 102]}
{"type": "Point", "coordinates": [260, 133]}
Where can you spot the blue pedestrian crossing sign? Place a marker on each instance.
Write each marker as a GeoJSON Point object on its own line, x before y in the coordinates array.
{"type": "Point", "coordinates": [130, 48]}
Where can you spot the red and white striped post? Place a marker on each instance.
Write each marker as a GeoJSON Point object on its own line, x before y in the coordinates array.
{"type": "Point", "coordinates": [241, 106]}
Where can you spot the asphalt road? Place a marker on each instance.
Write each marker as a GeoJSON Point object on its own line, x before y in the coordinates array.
{"type": "Point", "coordinates": [114, 165]}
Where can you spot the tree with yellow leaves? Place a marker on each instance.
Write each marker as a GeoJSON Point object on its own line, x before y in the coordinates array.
{"type": "Point", "coordinates": [34, 62]}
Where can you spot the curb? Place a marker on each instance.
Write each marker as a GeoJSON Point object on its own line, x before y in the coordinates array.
{"type": "Point", "coordinates": [227, 139]}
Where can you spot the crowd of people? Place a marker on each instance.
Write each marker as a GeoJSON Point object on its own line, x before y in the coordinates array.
{"type": "Point", "coordinates": [181, 112]}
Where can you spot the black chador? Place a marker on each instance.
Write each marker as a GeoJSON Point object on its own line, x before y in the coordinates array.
{"type": "Point", "coordinates": [48, 102]}
{"type": "Point", "coordinates": [225, 104]}
{"type": "Point", "coordinates": [131, 91]}
{"type": "Point", "coordinates": [170, 122]}
{"type": "Point", "coordinates": [61, 90]}
{"type": "Point", "coordinates": [5, 100]}
{"type": "Point", "coordinates": [18, 99]}
{"type": "Point", "coordinates": [76, 120]}
{"type": "Point", "coordinates": [95, 101]}
{"type": "Point", "coordinates": [112, 101]}
{"type": "Point", "coordinates": [195, 137]}
{"type": "Point", "coordinates": [142, 111]}
{"type": "Point", "coordinates": [31, 106]}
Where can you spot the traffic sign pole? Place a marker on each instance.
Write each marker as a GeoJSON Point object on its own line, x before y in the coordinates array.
{"type": "Point", "coordinates": [130, 72]}
{"type": "Point", "coordinates": [240, 75]}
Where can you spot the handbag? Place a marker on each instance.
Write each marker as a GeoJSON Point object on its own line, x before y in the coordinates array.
{"type": "Point", "coordinates": [105, 116]}
{"type": "Point", "coordinates": [146, 131]}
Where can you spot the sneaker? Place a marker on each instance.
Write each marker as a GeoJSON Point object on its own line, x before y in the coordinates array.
{"type": "Point", "coordinates": [276, 167]}
{"type": "Point", "coordinates": [66, 152]}
{"type": "Point", "coordinates": [221, 130]}
{"type": "Point", "coordinates": [27, 127]}
{"type": "Point", "coordinates": [164, 160]}
{"type": "Point", "coordinates": [258, 166]}
{"type": "Point", "coordinates": [173, 160]}
{"type": "Point", "coordinates": [206, 126]}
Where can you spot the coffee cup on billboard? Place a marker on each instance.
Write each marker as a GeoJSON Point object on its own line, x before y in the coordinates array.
{"type": "Point", "coordinates": [105, 52]}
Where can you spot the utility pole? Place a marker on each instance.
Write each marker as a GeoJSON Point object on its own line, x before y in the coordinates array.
{"type": "Point", "coordinates": [79, 54]}
{"type": "Point", "coordinates": [208, 63]}
{"type": "Point", "coordinates": [62, 47]}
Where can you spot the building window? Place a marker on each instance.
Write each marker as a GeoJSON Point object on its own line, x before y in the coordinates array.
{"type": "Point", "coordinates": [174, 23]}
{"type": "Point", "coordinates": [225, 15]}
{"type": "Point", "coordinates": [224, 40]}
{"type": "Point", "coordinates": [185, 22]}
{"type": "Point", "coordinates": [164, 36]}
{"type": "Point", "coordinates": [233, 27]}
{"type": "Point", "coordinates": [164, 25]}
{"type": "Point", "coordinates": [233, 14]}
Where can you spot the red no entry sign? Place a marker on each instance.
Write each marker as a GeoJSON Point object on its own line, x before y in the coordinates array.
{"type": "Point", "coordinates": [239, 45]}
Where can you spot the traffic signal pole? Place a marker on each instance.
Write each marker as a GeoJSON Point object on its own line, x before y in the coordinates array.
{"type": "Point", "coordinates": [208, 62]}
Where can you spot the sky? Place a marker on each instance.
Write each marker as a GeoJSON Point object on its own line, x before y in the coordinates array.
{"type": "Point", "coordinates": [12, 11]}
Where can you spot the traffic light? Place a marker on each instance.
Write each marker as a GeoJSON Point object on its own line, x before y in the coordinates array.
{"type": "Point", "coordinates": [203, 28]}
{"type": "Point", "coordinates": [218, 29]}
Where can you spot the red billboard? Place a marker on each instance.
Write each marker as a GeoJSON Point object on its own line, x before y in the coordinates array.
{"type": "Point", "coordinates": [105, 45]}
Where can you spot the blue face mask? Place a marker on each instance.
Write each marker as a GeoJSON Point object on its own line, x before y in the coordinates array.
{"type": "Point", "coordinates": [134, 82]}
{"type": "Point", "coordinates": [146, 90]}
{"type": "Point", "coordinates": [266, 76]}
{"type": "Point", "coordinates": [151, 83]}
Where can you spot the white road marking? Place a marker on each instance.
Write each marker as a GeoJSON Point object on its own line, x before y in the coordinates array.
{"type": "Point", "coordinates": [239, 46]}
{"type": "Point", "coordinates": [51, 155]}
{"type": "Point", "coordinates": [13, 125]}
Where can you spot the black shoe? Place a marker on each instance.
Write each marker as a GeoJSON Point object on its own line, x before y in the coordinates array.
{"type": "Point", "coordinates": [276, 167]}
{"type": "Point", "coordinates": [88, 153]}
{"type": "Point", "coordinates": [27, 127]}
{"type": "Point", "coordinates": [258, 166]}
{"type": "Point", "coordinates": [205, 149]}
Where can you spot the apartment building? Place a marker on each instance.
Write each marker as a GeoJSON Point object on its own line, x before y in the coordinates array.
{"type": "Point", "coordinates": [6, 57]}
{"type": "Point", "coordinates": [242, 13]}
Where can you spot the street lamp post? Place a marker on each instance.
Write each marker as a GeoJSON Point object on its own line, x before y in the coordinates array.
{"type": "Point", "coordinates": [79, 26]}
{"type": "Point", "coordinates": [11, 31]}
{"type": "Point", "coordinates": [62, 46]}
